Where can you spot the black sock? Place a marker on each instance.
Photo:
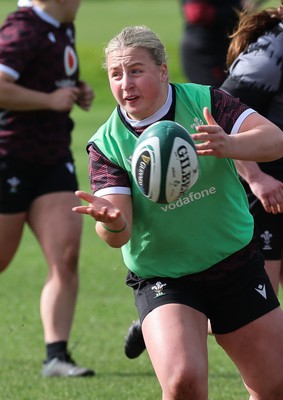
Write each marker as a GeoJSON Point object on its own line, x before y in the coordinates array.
{"type": "Point", "coordinates": [56, 348]}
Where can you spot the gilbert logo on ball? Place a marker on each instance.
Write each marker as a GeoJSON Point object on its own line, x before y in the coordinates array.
{"type": "Point", "coordinates": [165, 162]}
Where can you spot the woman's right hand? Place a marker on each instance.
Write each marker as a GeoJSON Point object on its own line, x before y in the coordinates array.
{"type": "Point", "coordinates": [98, 207]}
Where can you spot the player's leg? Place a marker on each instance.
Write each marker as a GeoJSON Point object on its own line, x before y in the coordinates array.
{"type": "Point", "coordinates": [134, 342]}
{"type": "Point", "coordinates": [257, 351]}
{"type": "Point", "coordinates": [58, 230]}
{"type": "Point", "coordinates": [11, 230]}
{"type": "Point", "coordinates": [14, 203]}
{"type": "Point", "coordinates": [175, 334]}
{"type": "Point", "coordinates": [273, 269]}
{"type": "Point", "coordinates": [175, 337]}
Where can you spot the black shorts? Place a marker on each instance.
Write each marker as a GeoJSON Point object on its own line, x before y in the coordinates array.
{"type": "Point", "coordinates": [269, 229]}
{"type": "Point", "coordinates": [231, 294]}
{"type": "Point", "coordinates": [21, 182]}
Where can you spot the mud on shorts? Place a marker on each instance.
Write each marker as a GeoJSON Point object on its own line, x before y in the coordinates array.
{"type": "Point", "coordinates": [231, 293]}
{"type": "Point", "coordinates": [21, 182]}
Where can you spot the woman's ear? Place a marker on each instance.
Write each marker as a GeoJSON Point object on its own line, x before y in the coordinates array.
{"type": "Point", "coordinates": [164, 72]}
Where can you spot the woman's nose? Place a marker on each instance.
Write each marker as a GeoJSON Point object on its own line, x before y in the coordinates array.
{"type": "Point", "coordinates": [127, 82]}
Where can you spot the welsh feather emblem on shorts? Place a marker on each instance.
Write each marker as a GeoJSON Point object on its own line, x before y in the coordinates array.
{"type": "Point", "coordinates": [13, 183]}
{"type": "Point", "coordinates": [267, 236]}
{"type": "Point", "coordinates": [158, 289]}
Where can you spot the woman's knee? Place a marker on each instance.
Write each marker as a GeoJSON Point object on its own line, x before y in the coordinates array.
{"type": "Point", "coordinates": [186, 384]}
{"type": "Point", "coordinates": [65, 268]}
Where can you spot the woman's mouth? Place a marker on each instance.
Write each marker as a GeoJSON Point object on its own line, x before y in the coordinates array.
{"type": "Point", "coordinates": [130, 99]}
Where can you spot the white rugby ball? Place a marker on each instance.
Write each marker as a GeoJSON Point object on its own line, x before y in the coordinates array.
{"type": "Point", "coordinates": [165, 162]}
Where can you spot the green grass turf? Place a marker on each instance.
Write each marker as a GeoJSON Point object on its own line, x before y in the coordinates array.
{"type": "Point", "coordinates": [105, 305]}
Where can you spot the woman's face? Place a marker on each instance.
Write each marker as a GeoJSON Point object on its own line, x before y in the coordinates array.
{"type": "Point", "coordinates": [137, 83]}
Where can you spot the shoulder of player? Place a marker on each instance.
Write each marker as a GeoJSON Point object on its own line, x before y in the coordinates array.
{"type": "Point", "coordinates": [22, 29]}
{"type": "Point", "coordinates": [22, 15]}
{"type": "Point", "coordinates": [226, 108]}
{"type": "Point", "coordinates": [22, 20]}
{"type": "Point", "coordinates": [270, 43]}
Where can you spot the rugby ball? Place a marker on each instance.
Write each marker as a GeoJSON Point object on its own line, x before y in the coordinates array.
{"type": "Point", "coordinates": [165, 162]}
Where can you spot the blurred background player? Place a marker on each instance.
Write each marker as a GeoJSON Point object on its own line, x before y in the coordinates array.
{"type": "Point", "coordinates": [255, 61]}
{"type": "Point", "coordinates": [39, 85]}
{"type": "Point", "coordinates": [203, 48]}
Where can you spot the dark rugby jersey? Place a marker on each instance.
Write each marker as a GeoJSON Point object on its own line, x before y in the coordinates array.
{"type": "Point", "coordinates": [40, 54]}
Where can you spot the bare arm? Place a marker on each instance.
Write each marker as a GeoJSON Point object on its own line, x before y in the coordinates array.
{"type": "Point", "coordinates": [258, 139]}
{"type": "Point", "coordinates": [113, 214]}
{"type": "Point", "coordinates": [266, 188]}
{"type": "Point", "coordinates": [18, 98]}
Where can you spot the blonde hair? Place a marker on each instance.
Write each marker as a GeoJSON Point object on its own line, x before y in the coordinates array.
{"type": "Point", "coordinates": [137, 36]}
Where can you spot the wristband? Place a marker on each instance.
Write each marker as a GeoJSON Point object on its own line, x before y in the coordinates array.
{"type": "Point", "coordinates": [114, 230]}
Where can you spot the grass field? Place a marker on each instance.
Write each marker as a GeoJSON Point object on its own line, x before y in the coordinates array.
{"type": "Point", "coordinates": [105, 306]}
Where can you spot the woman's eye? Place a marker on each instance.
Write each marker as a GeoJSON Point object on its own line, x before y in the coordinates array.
{"type": "Point", "coordinates": [115, 74]}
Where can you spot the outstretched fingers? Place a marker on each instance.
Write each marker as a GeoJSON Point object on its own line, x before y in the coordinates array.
{"type": "Point", "coordinates": [84, 195]}
{"type": "Point", "coordinates": [211, 140]}
{"type": "Point", "coordinates": [98, 207]}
